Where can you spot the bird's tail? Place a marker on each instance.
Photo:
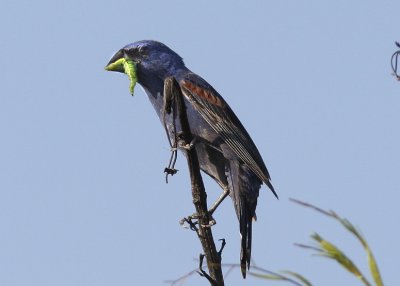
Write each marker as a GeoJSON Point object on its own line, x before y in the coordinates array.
{"type": "Point", "coordinates": [244, 187]}
{"type": "Point", "coordinates": [245, 221]}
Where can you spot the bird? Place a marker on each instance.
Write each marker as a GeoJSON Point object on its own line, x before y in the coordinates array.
{"type": "Point", "coordinates": [224, 148]}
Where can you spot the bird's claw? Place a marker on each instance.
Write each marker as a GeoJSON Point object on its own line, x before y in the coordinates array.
{"type": "Point", "coordinates": [193, 224]}
{"type": "Point", "coordinates": [187, 146]}
{"type": "Point", "coordinates": [190, 223]}
{"type": "Point", "coordinates": [182, 142]}
{"type": "Point", "coordinates": [210, 224]}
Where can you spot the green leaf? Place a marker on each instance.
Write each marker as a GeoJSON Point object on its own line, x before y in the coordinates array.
{"type": "Point", "coordinates": [373, 266]}
{"type": "Point", "coordinates": [282, 277]}
{"type": "Point", "coordinates": [299, 277]}
{"type": "Point", "coordinates": [331, 251]}
{"type": "Point", "coordinates": [266, 276]}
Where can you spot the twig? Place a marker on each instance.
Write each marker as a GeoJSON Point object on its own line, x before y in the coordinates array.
{"type": "Point", "coordinates": [173, 92]}
{"type": "Point", "coordinates": [308, 247]}
{"type": "Point", "coordinates": [203, 273]}
{"type": "Point", "coordinates": [181, 280]}
{"type": "Point", "coordinates": [231, 266]}
{"type": "Point", "coordinates": [222, 246]}
{"type": "Point", "coordinates": [331, 214]}
{"type": "Point", "coordinates": [393, 61]}
{"type": "Point", "coordinates": [168, 103]}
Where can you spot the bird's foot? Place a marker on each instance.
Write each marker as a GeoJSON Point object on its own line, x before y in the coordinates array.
{"type": "Point", "coordinates": [193, 221]}
{"type": "Point", "coordinates": [211, 221]}
{"type": "Point", "coordinates": [190, 223]}
{"type": "Point", "coordinates": [182, 142]}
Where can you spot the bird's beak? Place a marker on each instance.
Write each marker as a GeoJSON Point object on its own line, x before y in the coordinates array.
{"type": "Point", "coordinates": [116, 63]}
{"type": "Point", "coordinates": [119, 63]}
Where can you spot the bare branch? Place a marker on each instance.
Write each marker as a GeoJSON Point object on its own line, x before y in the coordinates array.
{"type": "Point", "coordinates": [174, 99]}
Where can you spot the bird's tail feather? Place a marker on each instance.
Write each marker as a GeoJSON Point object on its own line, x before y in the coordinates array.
{"type": "Point", "coordinates": [244, 187]}
{"type": "Point", "coordinates": [245, 222]}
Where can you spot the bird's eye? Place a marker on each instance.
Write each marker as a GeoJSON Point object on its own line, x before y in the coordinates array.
{"type": "Point", "coordinates": [143, 50]}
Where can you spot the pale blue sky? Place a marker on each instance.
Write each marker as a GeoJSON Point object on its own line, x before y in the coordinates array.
{"type": "Point", "coordinates": [83, 199]}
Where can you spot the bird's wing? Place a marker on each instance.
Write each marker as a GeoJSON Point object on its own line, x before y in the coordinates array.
{"type": "Point", "coordinates": [221, 118]}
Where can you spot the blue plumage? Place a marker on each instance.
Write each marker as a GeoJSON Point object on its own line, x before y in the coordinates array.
{"type": "Point", "coordinates": [225, 150]}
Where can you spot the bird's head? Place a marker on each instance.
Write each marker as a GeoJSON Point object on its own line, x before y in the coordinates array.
{"type": "Point", "coordinates": [146, 62]}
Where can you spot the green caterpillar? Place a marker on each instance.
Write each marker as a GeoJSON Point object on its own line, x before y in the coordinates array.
{"type": "Point", "coordinates": [130, 70]}
{"type": "Point", "coordinates": [128, 67]}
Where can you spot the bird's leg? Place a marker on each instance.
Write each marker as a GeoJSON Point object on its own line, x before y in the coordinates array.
{"type": "Point", "coordinates": [221, 198]}
{"type": "Point", "coordinates": [214, 207]}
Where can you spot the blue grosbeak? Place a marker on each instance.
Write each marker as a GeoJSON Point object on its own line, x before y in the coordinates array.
{"type": "Point", "coordinates": [224, 148]}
